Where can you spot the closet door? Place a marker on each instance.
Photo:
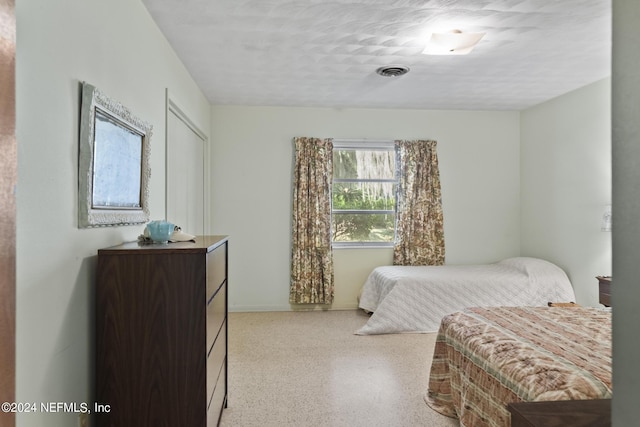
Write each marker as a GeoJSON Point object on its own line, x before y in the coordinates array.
{"type": "Point", "coordinates": [186, 153]}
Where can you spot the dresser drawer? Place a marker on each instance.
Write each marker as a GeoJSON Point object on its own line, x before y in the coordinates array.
{"type": "Point", "coordinates": [218, 399]}
{"type": "Point", "coordinates": [215, 362]}
{"type": "Point", "coordinates": [216, 313]}
{"type": "Point", "coordinates": [216, 269]}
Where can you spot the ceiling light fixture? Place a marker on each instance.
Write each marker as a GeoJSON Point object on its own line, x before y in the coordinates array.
{"type": "Point", "coordinates": [452, 43]}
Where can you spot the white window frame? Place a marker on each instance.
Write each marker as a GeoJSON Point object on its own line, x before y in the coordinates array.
{"type": "Point", "coordinates": [366, 145]}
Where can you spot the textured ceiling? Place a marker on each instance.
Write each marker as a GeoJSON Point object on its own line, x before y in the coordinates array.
{"type": "Point", "coordinates": [324, 53]}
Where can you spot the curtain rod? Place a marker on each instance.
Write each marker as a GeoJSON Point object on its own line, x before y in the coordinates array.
{"type": "Point", "coordinates": [371, 144]}
{"type": "Point", "coordinates": [345, 140]}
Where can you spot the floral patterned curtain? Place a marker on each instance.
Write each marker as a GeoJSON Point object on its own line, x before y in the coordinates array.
{"type": "Point", "coordinates": [420, 225]}
{"type": "Point", "coordinates": [311, 257]}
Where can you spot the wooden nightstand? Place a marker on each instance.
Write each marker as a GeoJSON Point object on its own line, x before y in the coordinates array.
{"type": "Point", "coordinates": [604, 283]}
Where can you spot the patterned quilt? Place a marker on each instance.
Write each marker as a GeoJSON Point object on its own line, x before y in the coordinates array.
{"type": "Point", "coordinates": [485, 358]}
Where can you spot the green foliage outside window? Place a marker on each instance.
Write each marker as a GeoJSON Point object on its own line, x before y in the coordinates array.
{"type": "Point", "coordinates": [371, 194]}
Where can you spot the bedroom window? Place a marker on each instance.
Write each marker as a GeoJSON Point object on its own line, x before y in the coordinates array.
{"type": "Point", "coordinates": [365, 181]}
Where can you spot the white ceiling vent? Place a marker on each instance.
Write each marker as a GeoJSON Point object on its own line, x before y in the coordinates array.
{"type": "Point", "coordinates": [392, 70]}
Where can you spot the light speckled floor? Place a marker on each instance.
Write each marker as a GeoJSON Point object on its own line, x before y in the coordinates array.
{"type": "Point", "coordinates": [309, 369]}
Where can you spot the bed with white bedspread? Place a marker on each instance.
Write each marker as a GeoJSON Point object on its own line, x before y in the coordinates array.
{"type": "Point", "coordinates": [416, 298]}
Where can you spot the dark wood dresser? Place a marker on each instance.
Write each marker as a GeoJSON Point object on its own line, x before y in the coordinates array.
{"type": "Point", "coordinates": [561, 413]}
{"type": "Point", "coordinates": [161, 334]}
{"type": "Point", "coordinates": [604, 290]}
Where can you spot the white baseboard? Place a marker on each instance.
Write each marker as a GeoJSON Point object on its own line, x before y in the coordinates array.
{"type": "Point", "coordinates": [288, 307]}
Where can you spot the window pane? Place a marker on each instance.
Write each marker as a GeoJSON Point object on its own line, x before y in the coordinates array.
{"type": "Point", "coordinates": [364, 164]}
{"type": "Point", "coordinates": [363, 227]}
{"type": "Point", "coordinates": [364, 196]}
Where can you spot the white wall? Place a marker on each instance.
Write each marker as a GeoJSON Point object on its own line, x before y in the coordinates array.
{"type": "Point", "coordinates": [252, 151]}
{"type": "Point", "coordinates": [115, 46]}
{"type": "Point", "coordinates": [566, 183]}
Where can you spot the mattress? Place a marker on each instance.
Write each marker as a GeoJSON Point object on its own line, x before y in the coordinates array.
{"type": "Point", "coordinates": [416, 298]}
{"type": "Point", "coordinates": [485, 358]}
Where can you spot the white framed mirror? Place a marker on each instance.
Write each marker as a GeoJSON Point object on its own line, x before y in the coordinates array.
{"type": "Point", "coordinates": [113, 164]}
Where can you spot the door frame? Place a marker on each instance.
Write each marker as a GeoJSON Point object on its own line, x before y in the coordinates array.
{"type": "Point", "coordinates": [173, 108]}
{"type": "Point", "coordinates": [8, 180]}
